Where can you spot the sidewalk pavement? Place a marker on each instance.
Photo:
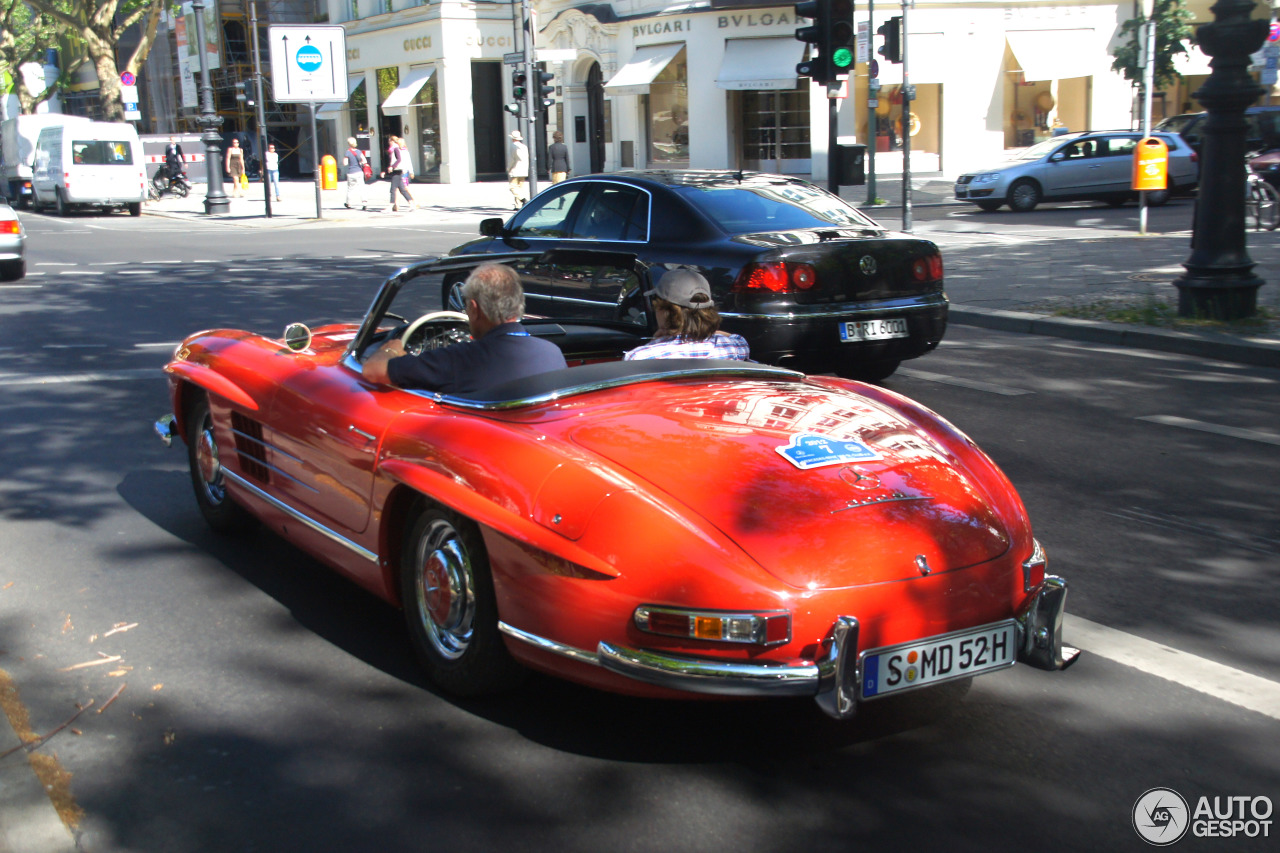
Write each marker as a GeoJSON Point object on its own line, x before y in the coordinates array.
{"type": "Point", "coordinates": [1011, 280]}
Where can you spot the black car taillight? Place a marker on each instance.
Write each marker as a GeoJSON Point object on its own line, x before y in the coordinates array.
{"type": "Point", "coordinates": [776, 277]}
{"type": "Point", "coordinates": [927, 268]}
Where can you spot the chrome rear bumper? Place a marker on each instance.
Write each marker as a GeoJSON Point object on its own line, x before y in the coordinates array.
{"type": "Point", "coordinates": [832, 681]}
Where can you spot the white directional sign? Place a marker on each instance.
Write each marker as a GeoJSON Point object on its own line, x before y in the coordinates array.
{"type": "Point", "coordinates": [308, 63]}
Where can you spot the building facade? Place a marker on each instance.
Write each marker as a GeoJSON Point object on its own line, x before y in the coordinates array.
{"type": "Point", "coordinates": [712, 83]}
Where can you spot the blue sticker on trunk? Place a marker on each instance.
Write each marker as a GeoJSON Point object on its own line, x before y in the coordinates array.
{"type": "Point", "coordinates": [808, 450]}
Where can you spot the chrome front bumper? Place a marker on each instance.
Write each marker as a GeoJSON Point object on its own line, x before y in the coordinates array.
{"type": "Point", "coordinates": [832, 681]}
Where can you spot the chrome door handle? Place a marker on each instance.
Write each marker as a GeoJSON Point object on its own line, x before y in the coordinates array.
{"type": "Point", "coordinates": [361, 433]}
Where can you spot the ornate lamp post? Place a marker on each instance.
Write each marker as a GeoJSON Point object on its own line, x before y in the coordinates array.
{"type": "Point", "coordinates": [1219, 282]}
{"type": "Point", "coordinates": [215, 198]}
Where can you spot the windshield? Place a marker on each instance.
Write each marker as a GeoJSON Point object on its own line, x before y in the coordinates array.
{"type": "Point", "coordinates": [101, 152]}
{"type": "Point", "coordinates": [1040, 149]}
{"type": "Point", "coordinates": [780, 207]}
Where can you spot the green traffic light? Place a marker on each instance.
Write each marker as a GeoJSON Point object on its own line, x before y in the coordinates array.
{"type": "Point", "coordinates": [842, 57]}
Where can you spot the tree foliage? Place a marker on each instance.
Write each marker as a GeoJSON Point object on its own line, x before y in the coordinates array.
{"type": "Point", "coordinates": [1173, 25]}
{"type": "Point", "coordinates": [99, 26]}
{"type": "Point", "coordinates": [24, 38]}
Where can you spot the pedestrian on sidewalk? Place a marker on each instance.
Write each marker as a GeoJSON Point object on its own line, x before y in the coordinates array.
{"type": "Point", "coordinates": [396, 156]}
{"type": "Point", "coordinates": [518, 170]}
{"type": "Point", "coordinates": [273, 170]}
{"type": "Point", "coordinates": [355, 163]}
{"type": "Point", "coordinates": [235, 167]}
{"type": "Point", "coordinates": [559, 154]}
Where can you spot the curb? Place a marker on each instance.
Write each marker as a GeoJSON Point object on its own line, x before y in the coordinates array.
{"type": "Point", "coordinates": [1263, 352]}
{"type": "Point", "coordinates": [28, 821]}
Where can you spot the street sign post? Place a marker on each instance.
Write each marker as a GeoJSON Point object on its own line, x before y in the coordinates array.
{"type": "Point", "coordinates": [309, 66]}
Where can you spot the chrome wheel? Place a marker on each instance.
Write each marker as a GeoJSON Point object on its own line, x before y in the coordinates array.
{"type": "Point", "coordinates": [1024, 196]}
{"type": "Point", "coordinates": [219, 509]}
{"type": "Point", "coordinates": [454, 300]}
{"type": "Point", "coordinates": [444, 587]}
{"type": "Point", "coordinates": [207, 463]}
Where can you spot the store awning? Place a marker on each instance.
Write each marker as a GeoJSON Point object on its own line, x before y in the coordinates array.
{"type": "Point", "coordinates": [764, 63]}
{"type": "Point", "coordinates": [645, 64]}
{"type": "Point", "coordinates": [397, 103]}
{"type": "Point", "coordinates": [332, 107]}
{"type": "Point", "coordinates": [1193, 63]}
{"type": "Point", "coordinates": [1054, 54]}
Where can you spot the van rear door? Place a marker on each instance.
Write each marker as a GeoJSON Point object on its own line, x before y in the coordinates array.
{"type": "Point", "coordinates": [105, 169]}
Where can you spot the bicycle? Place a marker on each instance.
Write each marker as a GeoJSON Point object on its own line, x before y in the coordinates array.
{"type": "Point", "coordinates": [1261, 203]}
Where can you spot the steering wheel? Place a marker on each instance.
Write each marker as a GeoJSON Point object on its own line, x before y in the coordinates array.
{"type": "Point", "coordinates": [453, 329]}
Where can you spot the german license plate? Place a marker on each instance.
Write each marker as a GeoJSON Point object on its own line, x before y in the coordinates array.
{"type": "Point", "coordinates": [873, 330]}
{"type": "Point", "coordinates": [937, 659]}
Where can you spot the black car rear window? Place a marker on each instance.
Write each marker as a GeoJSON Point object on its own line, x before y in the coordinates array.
{"type": "Point", "coordinates": [787, 207]}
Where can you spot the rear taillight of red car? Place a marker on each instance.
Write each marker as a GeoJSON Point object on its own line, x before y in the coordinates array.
{"type": "Point", "coordinates": [927, 268]}
{"type": "Point", "coordinates": [762, 629]}
{"type": "Point", "coordinates": [775, 277]}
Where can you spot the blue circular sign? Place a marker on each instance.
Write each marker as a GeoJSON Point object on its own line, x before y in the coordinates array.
{"type": "Point", "coordinates": [309, 58]}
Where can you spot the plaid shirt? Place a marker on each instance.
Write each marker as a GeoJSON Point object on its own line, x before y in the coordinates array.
{"type": "Point", "coordinates": [716, 346]}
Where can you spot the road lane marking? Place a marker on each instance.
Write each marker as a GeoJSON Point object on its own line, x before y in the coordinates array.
{"type": "Point", "coordinates": [972, 384]}
{"type": "Point", "coordinates": [9, 380]}
{"type": "Point", "coordinates": [1217, 429]}
{"type": "Point", "coordinates": [1202, 675]}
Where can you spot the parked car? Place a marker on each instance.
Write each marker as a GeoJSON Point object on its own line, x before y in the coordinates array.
{"type": "Point", "coordinates": [807, 279]}
{"type": "Point", "coordinates": [13, 240]}
{"type": "Point", "coordinates": [1093, 165]}
{"type": "Point", "coordinates": [1266, 165]}
{"type": "Point", "coordinates": [667, 528]}
{"type": "Point", "coordinates": [1262, 127]}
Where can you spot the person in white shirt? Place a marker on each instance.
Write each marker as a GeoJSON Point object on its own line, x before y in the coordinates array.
{"type": "Point", "coordinates": [273, 170]}
{"type": "Point", "coordinates": [518, 170]}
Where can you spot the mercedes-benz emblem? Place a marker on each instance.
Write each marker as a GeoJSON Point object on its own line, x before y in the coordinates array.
{"type": "Point", "coordinates": [868, 265]}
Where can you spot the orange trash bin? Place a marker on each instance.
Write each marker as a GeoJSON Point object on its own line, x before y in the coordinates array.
{"type": "Point", "coordinates": [328, 173]}
{"type": "Point", "coordinates": [1150, 164]}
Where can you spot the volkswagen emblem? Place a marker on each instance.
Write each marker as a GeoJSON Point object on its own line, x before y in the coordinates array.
{"type": "Point", "coordinates": [868, 265]}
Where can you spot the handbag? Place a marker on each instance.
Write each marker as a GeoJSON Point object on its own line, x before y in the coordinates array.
{"type": "Point", "coordinates": [244, 181]}
{"type": "Point", "coordinates": [368, 172]}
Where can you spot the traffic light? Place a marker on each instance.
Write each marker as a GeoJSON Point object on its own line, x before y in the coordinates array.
{"type": "Point", "coordinates": [245, 93]}
{"type": "Point", "coordinates": [840, 39]}
{"type": "Point", "coordinates": [817, 67]}
{"type": "Point", "coordinates": [518, 84]}
{"type": "Point", "coordinates": [545, 91]}
{"type": "Point", "coordinates": [892, 32]}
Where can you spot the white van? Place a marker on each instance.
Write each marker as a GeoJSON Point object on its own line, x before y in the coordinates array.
{"type": "Point", "coordinates": [96, 163]}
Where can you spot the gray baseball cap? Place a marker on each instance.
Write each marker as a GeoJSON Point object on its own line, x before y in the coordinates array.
{"type": "Point", "coordinates": [682, 287]}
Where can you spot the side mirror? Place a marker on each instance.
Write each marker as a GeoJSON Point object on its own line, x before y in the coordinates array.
{"type": "Point", "coordinates": [297, 337]}
{"type": "Point", "coordinates": [491, 227]}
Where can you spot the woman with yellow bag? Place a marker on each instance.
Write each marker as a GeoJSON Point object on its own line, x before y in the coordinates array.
{"type": "Point", "coordinates": [235, 168]}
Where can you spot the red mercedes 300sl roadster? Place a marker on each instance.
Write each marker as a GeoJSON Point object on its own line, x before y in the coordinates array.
{"type": "Point", "coordinates": [661, 528]}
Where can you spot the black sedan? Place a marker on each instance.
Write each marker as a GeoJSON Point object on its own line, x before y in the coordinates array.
{"type": "Point", "coordinates": [808, 280]}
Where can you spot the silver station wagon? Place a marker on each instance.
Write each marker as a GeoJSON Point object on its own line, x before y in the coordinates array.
{"type": "Point", "coordinates": [1093, 165]}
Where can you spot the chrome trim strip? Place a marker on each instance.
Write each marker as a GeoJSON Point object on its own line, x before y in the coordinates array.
{"type": "Point", "coordinates": [546, 645]}
{"type": "Point", "coordinates": [365, 435]}
{"type": "Point", "coordinates": [747, 370]}
{"type": "Point", "coordinates": [699, 675]}
{"type": "Point", "coordinates": [276, 470]}
{"type": "Point", "coordinates": [262, 443]}
{"type": "Point", "coordinates": [311, 523]}
{"type": "Point", "coordinates": [856, 310]}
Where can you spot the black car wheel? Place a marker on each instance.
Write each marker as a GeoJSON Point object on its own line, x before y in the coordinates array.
{"type": "Point", "coordinates": [13, 270]}
{"type": "Point", "coordinates": [1024, 195]}
{"type": "Point", "coordinates": [135, 208]}
{"type": "Point", "coordinates": [446, 590]}
{"type": "Point", "coordinates": [1158, 198]}
{"type": "Point", "coordinates": [60, 204]}
{"type": "Point", "coordinates": [989, 206]}
{"type": "Point", "coordinates": [1116, 201]}
{"type": "Point", "coordinates": [221, 512]}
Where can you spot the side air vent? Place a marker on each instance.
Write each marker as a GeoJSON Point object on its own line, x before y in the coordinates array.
{"type": "Point", "coordinates": [250, 447]}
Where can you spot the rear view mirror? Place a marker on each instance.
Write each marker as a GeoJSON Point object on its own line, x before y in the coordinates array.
{"type": "Point", "coordinates": [297, 337]}
{"type": "Point", "coordinates": [491, 227]}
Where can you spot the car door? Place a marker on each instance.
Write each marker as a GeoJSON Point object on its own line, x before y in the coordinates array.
{"type": "Point", "coordinates": [1074, 169]}
{"type": "Point", "coordinates": [1116, 175]}
{"type": "Point", "coordinates": [545, 223]}
{"type": "Point", "coordinates": [614, 217]}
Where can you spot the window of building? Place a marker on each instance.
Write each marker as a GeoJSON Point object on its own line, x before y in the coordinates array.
{"type": "Point", "coordinates": [426, 111]}
{"type": "Point", "coordinates": [667, 114]}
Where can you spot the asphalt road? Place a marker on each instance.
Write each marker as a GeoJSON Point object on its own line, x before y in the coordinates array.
{"type": "Point", "coordinates": [270, 705]}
